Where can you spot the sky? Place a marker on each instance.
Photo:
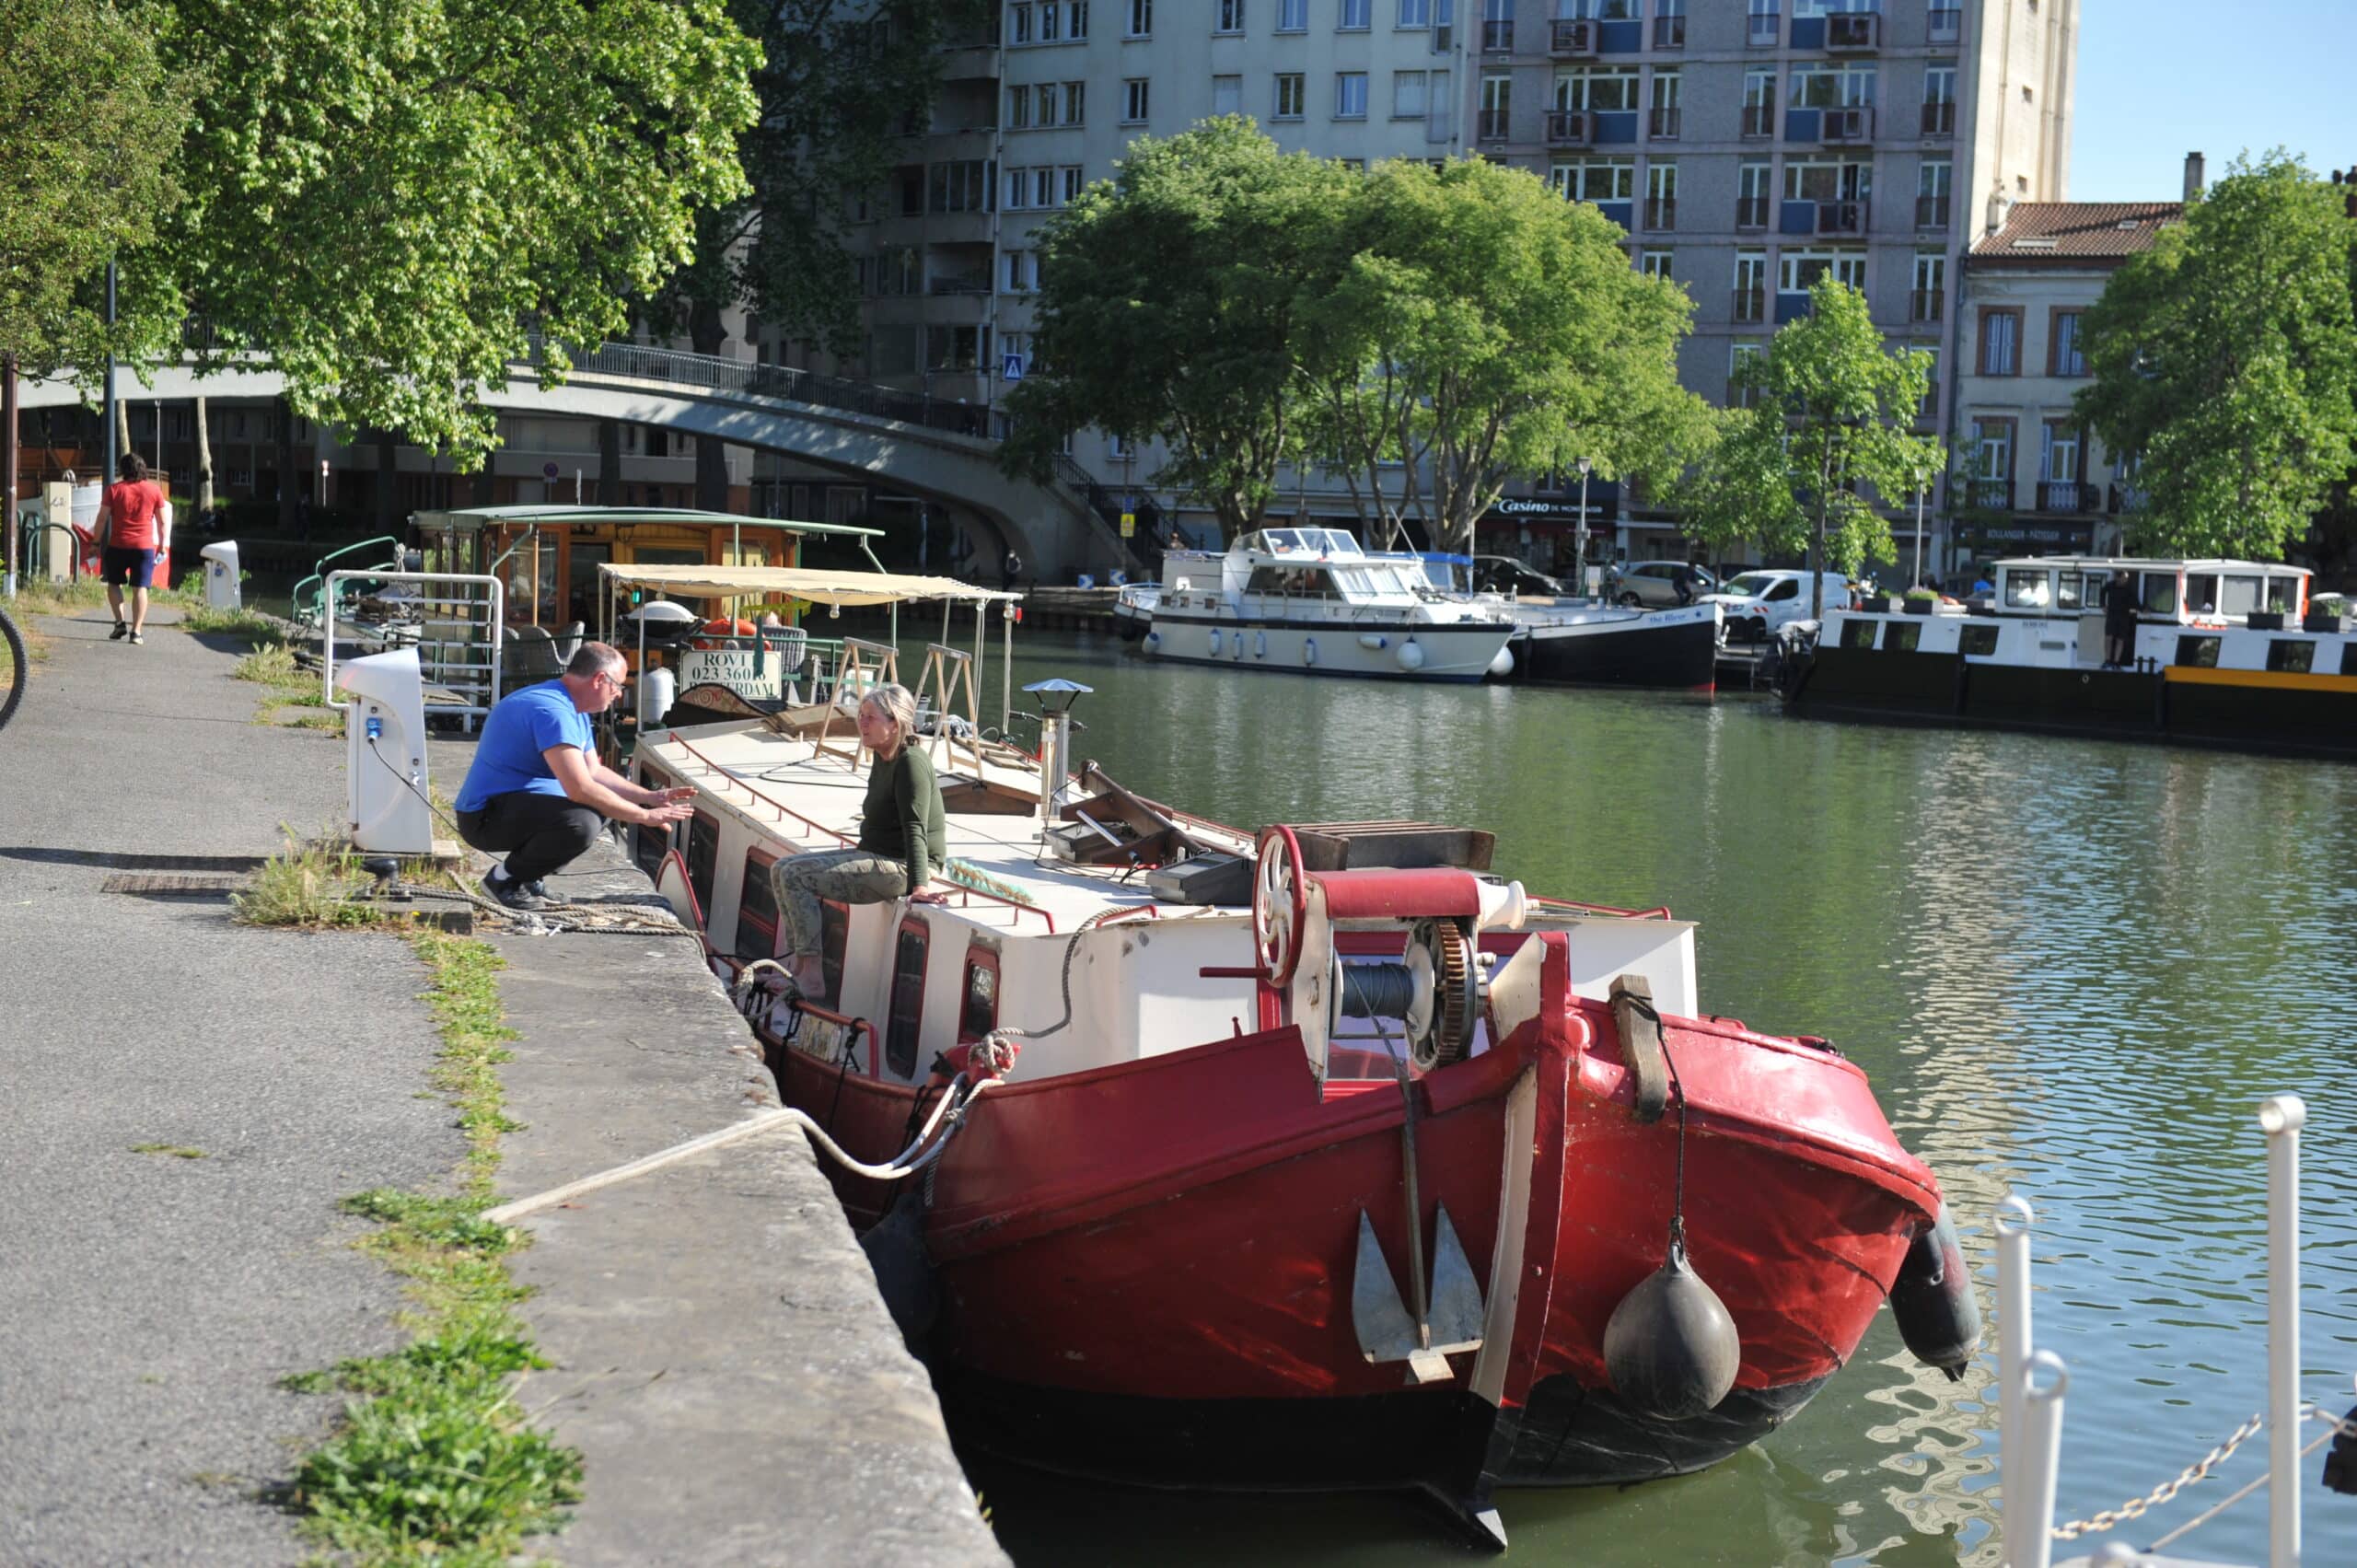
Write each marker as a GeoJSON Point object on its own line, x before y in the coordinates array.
{"type": "Point", "coordinates": [2160, 78]}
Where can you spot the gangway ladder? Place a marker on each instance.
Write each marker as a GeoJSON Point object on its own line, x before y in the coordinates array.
{"type": "Point", "coordinates": [946, 672]}
{"type": "Point", "coordinates": [457, 649]}
{"type": "Point", "coordinates": [864, 666]}
{"type": "Point", "coordinates": [2031, 1383]}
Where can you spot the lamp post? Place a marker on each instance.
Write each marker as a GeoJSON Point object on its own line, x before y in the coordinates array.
{"type": "Point", "coordinates": [1922, 483]}
{"type": "Point", "coordinates": [1579, 535]}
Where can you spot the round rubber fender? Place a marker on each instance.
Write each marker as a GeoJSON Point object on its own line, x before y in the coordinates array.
{"type": "Point", "coordinates": [1938, 1317]}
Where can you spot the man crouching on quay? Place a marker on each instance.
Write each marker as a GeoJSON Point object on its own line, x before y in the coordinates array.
{"type": "Point", "coordinates": [536, 791]}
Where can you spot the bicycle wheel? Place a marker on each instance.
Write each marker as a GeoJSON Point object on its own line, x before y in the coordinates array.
{"type": "Point", "coordinates": [16, 669]}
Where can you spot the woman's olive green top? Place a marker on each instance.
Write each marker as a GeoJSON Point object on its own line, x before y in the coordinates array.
{"type": "Point", "coordinates": [902, 814]}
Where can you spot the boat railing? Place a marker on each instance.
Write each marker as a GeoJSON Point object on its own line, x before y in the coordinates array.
{"type": "Point", "coordinates": [1659, 912]}
{"type": "Point", "coordinates": [853, 1027]}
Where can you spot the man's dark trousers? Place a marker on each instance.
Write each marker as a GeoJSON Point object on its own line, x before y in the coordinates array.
{"type": "Point", "coordinates": [538, 833]}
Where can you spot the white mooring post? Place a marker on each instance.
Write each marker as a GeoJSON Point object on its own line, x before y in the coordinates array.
{"type": "Point", "coordinates": [2016, 1523]}
{"type": "Point", "coordinates": [2281, 1117]}
{"type": "Point", "coordinates": [2031, 1480]}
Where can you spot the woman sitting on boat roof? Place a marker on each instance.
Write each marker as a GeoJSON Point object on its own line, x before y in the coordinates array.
{"type": "Point", "coordinates": [900, 838]}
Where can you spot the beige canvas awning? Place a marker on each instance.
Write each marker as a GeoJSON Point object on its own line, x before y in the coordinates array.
{"type": "Point", "coordinates": [794, 582]}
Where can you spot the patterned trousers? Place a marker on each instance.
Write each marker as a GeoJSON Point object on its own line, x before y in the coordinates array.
{"type": "Point", "coordinates": [847, 875]}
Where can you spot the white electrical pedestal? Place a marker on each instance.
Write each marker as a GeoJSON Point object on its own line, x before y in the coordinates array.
{"type": "Point", "coordinates": [221, 587]}
{"type": "Point", "coordinates": [384, 729]}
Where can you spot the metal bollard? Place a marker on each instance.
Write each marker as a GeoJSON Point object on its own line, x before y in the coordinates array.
{"type": "Point", "coordinates": [2014, 1217]}
{"type": "Point", "coordinates": [2281, 1117]}
{"type": "Point", "coordinates": [2029, 1488]}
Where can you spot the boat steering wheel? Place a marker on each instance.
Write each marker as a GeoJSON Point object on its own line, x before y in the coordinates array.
{"type": "Point", "coordinates": [1280, 904]}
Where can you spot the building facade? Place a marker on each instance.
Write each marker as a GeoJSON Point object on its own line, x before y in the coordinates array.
{"type": "Point", "coordinates": [1747, 146]}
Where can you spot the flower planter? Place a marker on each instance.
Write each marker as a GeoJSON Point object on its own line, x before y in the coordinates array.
{"type": "Point", "coordinates": [1879, 604]}
{"type": "Point", "coordinates": [1920, 606]}
{"type": "Point", "coordinates": [2267, 621]}
{"type": "Point", "coordinates": [2315, 621]}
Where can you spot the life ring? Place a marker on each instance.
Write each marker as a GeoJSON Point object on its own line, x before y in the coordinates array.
{"type": "Point", "coordinates": [717, 631]}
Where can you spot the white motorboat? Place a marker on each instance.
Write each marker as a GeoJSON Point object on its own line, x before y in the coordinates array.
{"type": "Point", "coordinates": [1311, 601]}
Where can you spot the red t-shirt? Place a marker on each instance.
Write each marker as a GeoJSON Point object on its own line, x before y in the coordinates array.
{"type": "Point", "coordinates": [137, 506]}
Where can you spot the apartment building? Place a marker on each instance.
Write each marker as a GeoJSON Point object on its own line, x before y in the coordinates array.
{"type": "Point", "coordinates": [1748, 147]}
{"type": "Point", "coordinates": [2028, 477]}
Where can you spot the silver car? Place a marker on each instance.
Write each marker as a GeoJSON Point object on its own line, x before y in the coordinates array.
{"type": "Point", "coordinates": [1653, 584]}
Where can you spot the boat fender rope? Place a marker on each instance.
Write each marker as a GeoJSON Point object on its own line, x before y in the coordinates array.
{"type": "Point", "coordinates": [1642, 1052]}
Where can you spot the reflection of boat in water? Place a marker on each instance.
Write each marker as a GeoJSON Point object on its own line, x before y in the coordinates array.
{"type": "Point", "coordinates": [2225, 654]}
{"type": "Point", "coordinates": [1330, 1159]}
{"type": "Point", "coordinates": [1310, 600]}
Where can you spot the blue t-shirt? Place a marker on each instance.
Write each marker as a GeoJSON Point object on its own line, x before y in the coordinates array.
{"type": "Point", "coordinates": [523, 724]}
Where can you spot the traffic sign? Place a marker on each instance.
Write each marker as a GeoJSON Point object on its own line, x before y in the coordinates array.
{"type": "Point", "coordinates": [1129, 524]}
{"type": "Point", "coordinates": [1010, 367]}
{"type": "Point", "coordinates": [548, 469]}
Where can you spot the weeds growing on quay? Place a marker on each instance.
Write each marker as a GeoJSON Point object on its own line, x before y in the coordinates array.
{"type": "Point", "coordinates": [305, 885]}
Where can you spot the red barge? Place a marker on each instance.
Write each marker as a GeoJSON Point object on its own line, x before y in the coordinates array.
{"type": "Point", "coordinates": [1329, 1160]}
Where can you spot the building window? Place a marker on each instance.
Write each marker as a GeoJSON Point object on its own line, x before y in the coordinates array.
{"type": "Point", "coordinates": [1992, 456]}
{"type": "Point", "coordinates": [1497, 107]}
{"type": "Point", "coordinates": [1018, 108]}
{"type": "Point", "coordinates": [1801, 270]}
{"type": "Point", "coordinates": [1291, 95]}
{"type": "Point", "coordinates": [1753, 182]}
{"type": "Point", "coordinates": [953, 347]}
{"type": "Point", "coordinates": [1408, 101]}
{"type": "Point", "coordinates": [1928, 301]}
{"type": "Point", "coordinates": [1596, 179]}
{"type": "Point", "coordinates": [1018, 23]}
{"type": "Point", "coordinates": [1934, 183]}
{"type": "Point", "coordinates": [1070, 175]}
{"type": "Point", "coordinates": [2059, 463]}
{"type": "Point", "coordinates": [1415, 12]}
{"type": "Point", "coordinates": [1134, 101]}
{"type": "Point", "coordinates": [1292, 15]}
{"type": "Point", "coordinates": [1051, 21]}
{"type": "Point", "coordinates": [1227, 95]}
{"type": "Point", "coordinates": [1759, 101]}
{"type": "Point", "coordinates": [1654, 264]}
{"type": "Point", "coordinates": [2001, 341]}
{"type": "Point", "coordinates": [2066, 354]}
{"type": "Point", "coordinates": [1349, 94]}
{"type": "Point", "coordinates": [1076, 18]}
{"type": "Point", "coordinates": [1141, 19]}
{"type": "Point", "coordinates": [1751, 285]}
{"type": "Point", "coordinates": [1354, 16]}
{"type": "Point", "coordinates": [1668, 110]}
{"type": "Point", "coordinates": [1228, 16]}
{"type": "Point", "coordinates": [1013, 355]}
{"type": "Point", "coordinates": [1607, 91]}
{"type": "Point", "coordinates": [1669, 24]}
{"type": "Point", "coordinates": [1931, 409]}
{"type": "Point", "coordinates": [1022, 272]}
{"type": "Point", "coordinates": [1766, 24]}
{"type": "Point", "coordinates": [1661, 195]}
{"type": "Point", "coordinates": [1939, 101]}
{"type": "Point", "coordinates": [1828, 179]}
{"type": "Point", "coordinates": [1740, 362]}
{"type": "Point", "coordinates": [1834, 86]}
{"type": "Point", "coordinates": [963, 186]}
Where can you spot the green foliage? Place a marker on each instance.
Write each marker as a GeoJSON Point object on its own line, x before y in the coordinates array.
{"type": "Point", "coordinates": [1841, 406]}
{"type": "Point", "coordinates": [90, 121]}
{"type": "Point", "coordinates": [2227, 356]}
{"type": "Point", "coordinates": [384, 198]}
{"type": "Point", "coordinates": [1737, 486]}
{"type": "Point", "coordinates": [305, 885]}
{"type": "Point", "coordinates": [177, 1151]}
{"type": "Point", "coordinates": [272, 664]}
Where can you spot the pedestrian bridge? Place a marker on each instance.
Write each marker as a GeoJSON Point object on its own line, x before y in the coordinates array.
{"type": "Point", "coordinates": [940, 450]}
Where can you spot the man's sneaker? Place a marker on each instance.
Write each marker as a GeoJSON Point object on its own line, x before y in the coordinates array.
{"type": "Point", "coordinates": [121, 630]}
{"type": "Point", "coordinates": [137, 638]}
{"type": "Point", "coordinates": [540, 890]}
{"type": "Point", "coordinates": [511, 894]}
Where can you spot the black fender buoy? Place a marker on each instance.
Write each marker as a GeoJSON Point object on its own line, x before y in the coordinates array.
{"type": "Point", "coordinates": [1670, 1348]}
{"type": "Point", "coordinates": [896, 1254]}
{"type": "Point", "coordinates": [1933, 1302]}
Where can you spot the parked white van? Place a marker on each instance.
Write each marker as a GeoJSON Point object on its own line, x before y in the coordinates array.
{"type": "Point", "coordinates": [1756, 603]}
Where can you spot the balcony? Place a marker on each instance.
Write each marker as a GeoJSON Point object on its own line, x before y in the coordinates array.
{"type": "Point", "coordinates": [2124, 497]}
{"type": "Point", "coordinates": [1751, 303]}
{"type": "Point", "coordinates": [1491, 124]}
{"type": "Point", "coordinates": [1947, 23]}
{"type": "Point", "coordinates": [1932, 212]}
{"type": "Point", "coordinates": [1751, 212]}
{"type": "Point", "coordinates": [1853, 32]}
{"type": "Point", "coordinates": [1670, 32]}
{"type": "Point", "coordinates": [1927, 305]}
{"type": "Point", "coordinates": [1766, 31]}
{"type": "Point", "coordinates": [1759, 120]}
{"type": "Point", "coordinates": [1662, 125]}
{"type": "Point", "coordinates": [1660, 213]}
{"type": "Point", "coordinates": [1939, 120]}
{"type": "Point", "coordinates": [1569, 127]}
{"type": "Point", "coordinates": [1989, 495]}
{"type": "Point", "coordinates": [2068, 495]}
{"type": "Point", "coordinates": [1844, 126]}
{"type": "Point", "coordinates": [1497, 38]}
{"type": "Point", "coordinates": [1842, 217]}
{"type": "Point", "coordinates": [1572, 41]}
{"type": "Point", "coordinates": [959, 282]}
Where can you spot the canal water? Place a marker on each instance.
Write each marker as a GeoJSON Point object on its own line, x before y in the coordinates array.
{"type": "Point", "coordinates": [2072, 969]}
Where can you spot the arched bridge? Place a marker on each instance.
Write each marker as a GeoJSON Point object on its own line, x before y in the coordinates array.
{"type": "Point", "coordinates": [940, 450]}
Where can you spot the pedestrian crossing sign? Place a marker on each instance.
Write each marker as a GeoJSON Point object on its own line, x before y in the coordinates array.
{"type": "Point", "coordinates": [1129, 525]}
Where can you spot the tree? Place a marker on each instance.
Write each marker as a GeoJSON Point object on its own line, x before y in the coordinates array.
{"type": "Point", "coordinates": [2226, 356]}
{"type": "Point", "coordinates": [1845, 405]}
{"type": "Point", "coordinates": [1479, 327]}
{"type": "Point", "coordinates": [89, 124]}
{"type": "Point", "coordinates": [1737, 484]}
{"type": "Point", "coordinates": [1170, 300]}
{"type": "Point", "coordinates": [386, 202]}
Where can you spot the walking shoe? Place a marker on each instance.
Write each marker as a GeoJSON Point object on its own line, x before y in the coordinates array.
{"type": "Point", "coordinates": [121, 630]}
{"type": "Point", "coordinates": [137, 638]}
{"type": "Point", "coordinates": [510, 894]}
{"type": "Point", "coordinates": [540, 890]}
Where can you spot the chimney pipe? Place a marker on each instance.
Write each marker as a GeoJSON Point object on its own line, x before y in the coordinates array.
{"type": "Point", "coordinates": [2193, 176]}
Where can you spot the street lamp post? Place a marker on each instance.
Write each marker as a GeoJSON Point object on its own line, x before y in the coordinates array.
{"type": "Point", "coordinates": [1922, 483]}
{"type": "Point", "coordinates": [1579, 535]}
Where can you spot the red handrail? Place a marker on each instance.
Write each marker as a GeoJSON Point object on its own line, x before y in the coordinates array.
{"type": "Point", "coordinates": [1659, 912]}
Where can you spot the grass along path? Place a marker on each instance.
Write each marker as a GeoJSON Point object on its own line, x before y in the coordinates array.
{"type": "Point", "coordinates": [433, 1461]}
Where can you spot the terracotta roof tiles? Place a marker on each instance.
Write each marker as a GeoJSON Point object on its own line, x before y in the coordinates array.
{"type": "Point", "coordinates": [2074, 233]}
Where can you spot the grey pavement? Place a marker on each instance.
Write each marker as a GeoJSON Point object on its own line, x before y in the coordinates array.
{"type": "Point", "coordinates": [722, 1357]}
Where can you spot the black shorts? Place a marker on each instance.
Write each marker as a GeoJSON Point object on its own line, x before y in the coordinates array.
{"type": "Point", "coordinates": [124, 567]}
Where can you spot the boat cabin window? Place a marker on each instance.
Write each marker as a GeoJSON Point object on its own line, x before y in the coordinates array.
{"type": "Point", "coordinates": [2029, 590]}
{"type": "Point", "coordinates": [1859, 634]}
{"type": "Point", "coordinates": [2067, 592]}
{"type": "Point", "coordinates": [1902, 636]}
{"type": "Point", "coordinates": [907, 1005]}
{"type": "Point", "coordinates": [835, 934]}
{"type": "Point", "coordinates": [1293, 582]}
{"type": "Point", "coordinates": [2283, 593]}
{"type": "Point", "coordinates": [1977, 640]}
{"type": "Point", "coordinates": [2297, 655]}
{"type": "Point", "coordinates": [2198, 653]}
{"type": "Point", "coordinates": [756, 911]}
{"type": "Point", "coordinates": [2202, 592]}
{"type": "Point", "coordinates": [704, 855]}
{"type": "Point", "coordinates": [978, 1013]}
{"type": "Point", "coordinates": [2238, 596]}
{"type": "Point", "coordinates": [2158, 593]}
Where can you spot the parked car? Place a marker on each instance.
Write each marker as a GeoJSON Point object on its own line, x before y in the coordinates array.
{"type": "Point", "coordinates": [1653, 584]}
{"type": "Point", "coordinates": [1504, 574]}
{"type": "Point", "coordinates": [1757, 603]}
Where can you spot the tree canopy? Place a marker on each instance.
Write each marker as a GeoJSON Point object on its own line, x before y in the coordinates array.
{"type": "Point", "coordinates": [1425, 332]}
{"type": "Point", "coordinates": [2226, 357]}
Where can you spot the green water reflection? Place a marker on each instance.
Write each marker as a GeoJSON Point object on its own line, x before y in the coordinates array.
{"type": "Point", "coordinates": [2070, 966]}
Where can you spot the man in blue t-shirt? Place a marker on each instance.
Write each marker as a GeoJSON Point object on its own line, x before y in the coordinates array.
{"type": "Point", "coordinates": [536, 791]}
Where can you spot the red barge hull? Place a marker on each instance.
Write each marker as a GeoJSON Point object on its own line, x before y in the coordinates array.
{"type": "Point", "coordinates": [1145, 1271]}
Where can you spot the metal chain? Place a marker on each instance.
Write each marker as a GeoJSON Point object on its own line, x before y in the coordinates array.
{"type": "Point", "coordinates": [2343, 1428]}
{"type": "Point", "coordinates": [2135, 1508]}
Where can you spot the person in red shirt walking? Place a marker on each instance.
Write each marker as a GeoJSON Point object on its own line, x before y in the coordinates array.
{"type": "Point", "coordinates": [131, 527]}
